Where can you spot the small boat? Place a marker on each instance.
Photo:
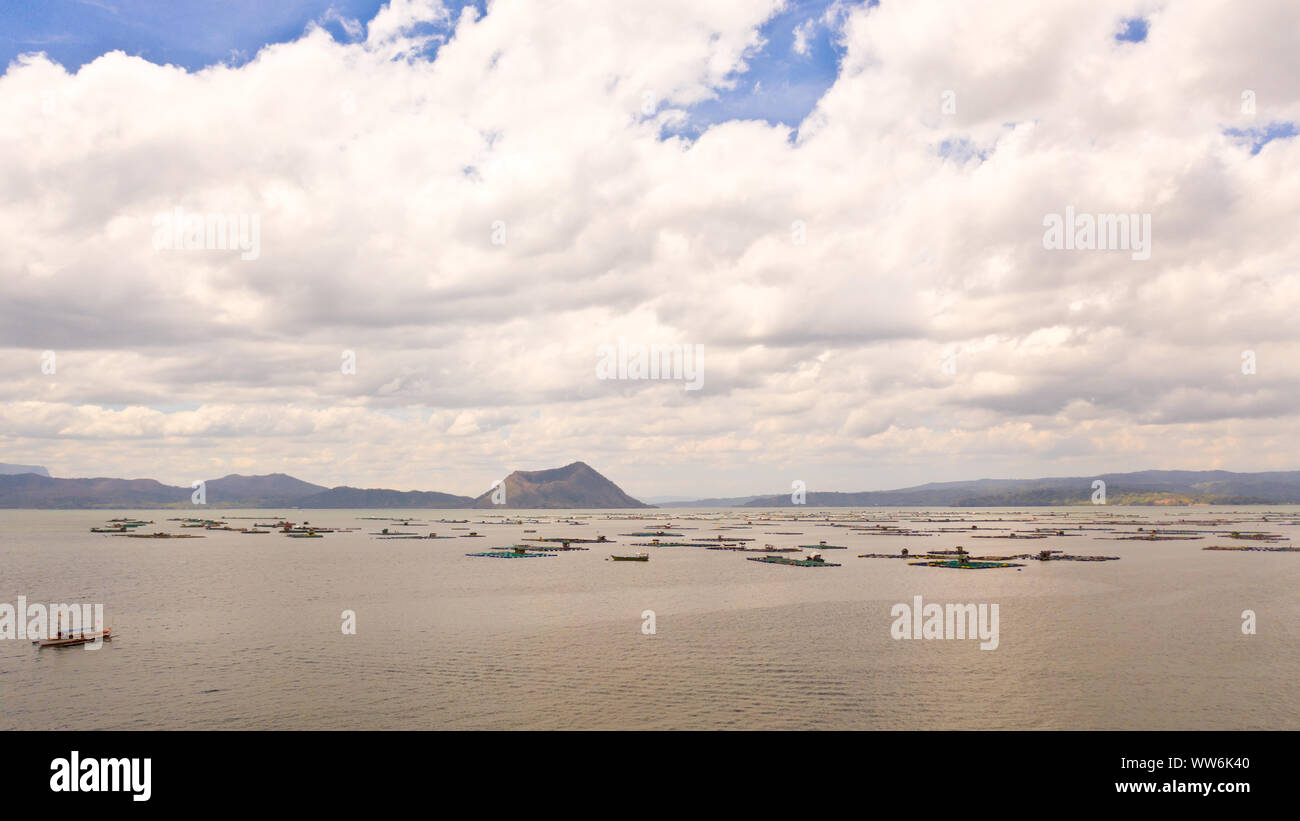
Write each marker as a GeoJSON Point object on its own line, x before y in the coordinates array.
{"type": "Point", "coordinates": [69, 638]}
{"type": "Point", "coordinates": [639, 557]}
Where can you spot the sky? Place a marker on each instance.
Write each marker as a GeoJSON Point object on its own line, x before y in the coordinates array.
{"type": "Point", "coordinates": [458, 219]}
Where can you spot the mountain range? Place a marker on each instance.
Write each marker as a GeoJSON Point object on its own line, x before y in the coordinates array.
{"type": "Point", "coordinates": [578, 486]}
{"type": "Point", "coordinates": [1147, 487]}
{"type": "Point", "coordinates": [7, 469]}
{"type": "Point", "coordinates": [573, 486]}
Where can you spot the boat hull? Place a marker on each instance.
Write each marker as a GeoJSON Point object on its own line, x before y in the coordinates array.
{"type": "Point", "coordinates": [70, 641]}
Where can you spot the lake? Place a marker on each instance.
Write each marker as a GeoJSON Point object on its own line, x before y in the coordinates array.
{"type": "Point", "coordinates": [234, 631]}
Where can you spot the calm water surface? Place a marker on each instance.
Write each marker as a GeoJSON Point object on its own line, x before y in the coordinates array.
{"type": "Point", "coordinates": [243, 632]}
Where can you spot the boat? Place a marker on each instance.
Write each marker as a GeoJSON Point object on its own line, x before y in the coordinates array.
{"type": "Point", "coordinates": [639, 557]}
{"type": "Point", "coordinates": [73, 637]}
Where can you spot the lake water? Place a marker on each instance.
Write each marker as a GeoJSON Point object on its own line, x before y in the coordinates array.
{"type": "Point", "coordinates": [244, 632]}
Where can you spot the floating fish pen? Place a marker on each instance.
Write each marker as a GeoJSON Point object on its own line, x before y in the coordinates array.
{"type": "Point", "coordinates": [788, 561]}
{"type": "Point", "coordinates": [574, 540]}
{"type": "Point", "coordinates": [1252, 548]}
{"type": "Point", "coordinates": [966, 565]}
{"type": "Point", "coordinates": [512, 554]}
{"type": "Point", "coordinates": [1052, 556]}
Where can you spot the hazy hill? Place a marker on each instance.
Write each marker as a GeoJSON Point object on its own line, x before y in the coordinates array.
{"type": "Point", "coordinates": [351, 497]}
{"type": "Point", "coordinates": [31, 490]}
{"type": "Point", "coordinates": [1145, 487]}
{"type": "Point", "coordinates": [733, 501]}
{"type": "Point", "coordinates": [271, 490]}
{"type": "Point", "coordinates": [8, 469]}
{"type": "Point", "coordinates": [572, 486]}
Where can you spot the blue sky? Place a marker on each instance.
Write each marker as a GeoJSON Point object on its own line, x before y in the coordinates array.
{"type": "Point", "coordinates": [781, 85]}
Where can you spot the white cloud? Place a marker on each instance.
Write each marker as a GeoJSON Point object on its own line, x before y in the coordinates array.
{"type": "Point", "coordinates": [378, 181]}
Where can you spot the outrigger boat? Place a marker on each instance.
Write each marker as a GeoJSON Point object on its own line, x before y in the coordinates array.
{"type": "Point", "coordinates": [71, 637]}
{"type": "Point", "coordinates": [640, 557]}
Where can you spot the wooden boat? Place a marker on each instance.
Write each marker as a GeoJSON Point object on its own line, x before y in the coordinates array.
{"type": "Point", "coordinates": [81, 637]}
{"type": "Point", "coordinates": [639, 557]}
{"type": "Point", "coordinates": [72, 637]}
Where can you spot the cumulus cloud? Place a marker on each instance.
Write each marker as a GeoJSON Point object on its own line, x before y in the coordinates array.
{"type": "Point", "coordinates": [472, 205]}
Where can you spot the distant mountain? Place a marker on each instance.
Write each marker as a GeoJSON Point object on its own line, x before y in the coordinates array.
{"type": "Point", "coordinates": [357, 498]}
{"type": "Point", "coordinates": [572, 486]}
{"type": "Point", "coordinates": [579, 486]}
{"type": "Point", "coordinates": [31, 490]}
{"type": "Point", "coordinates": [1147, 487]}
{"type": "Point", "coordinates": [7, 469]}
{"type": "Point", "coordinates": [271, 490]}
{"type": "Point", "coordinates": [734, 501]}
